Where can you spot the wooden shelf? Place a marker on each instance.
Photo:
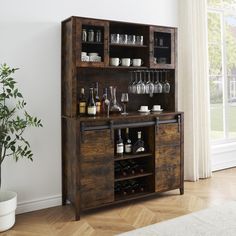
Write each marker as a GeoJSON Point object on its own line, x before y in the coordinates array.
{"type": "Point", "coordinates": [92, 43]}
{"type": "Point", "coordinates": [128, 157]}
{"type": "Point", "coordinates": [128, 67]}
{"type": "Point", "coordinates": [131, 196]}
{"type": "Point", "coordinates": [121, 178]}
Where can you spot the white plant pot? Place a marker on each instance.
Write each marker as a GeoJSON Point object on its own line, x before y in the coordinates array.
{"type": "Point", "coordinates": [8, 202]}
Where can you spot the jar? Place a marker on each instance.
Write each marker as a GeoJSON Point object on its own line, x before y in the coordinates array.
{"type": "Point", "coordinates": [90, 35]}
{"type": "Point", "coordinates": [84, 35]}
{"type": "Point", "coordinates": [98, 36]}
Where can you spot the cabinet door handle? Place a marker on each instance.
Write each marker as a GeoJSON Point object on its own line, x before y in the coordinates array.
{"type": "Point", "coordinates": [179, 123]}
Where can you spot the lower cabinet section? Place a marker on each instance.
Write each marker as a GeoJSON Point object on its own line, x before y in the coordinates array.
{"type": "Point", "coordinates": [102, 176]}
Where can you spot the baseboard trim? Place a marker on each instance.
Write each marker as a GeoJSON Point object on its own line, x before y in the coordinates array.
{"type": "Point", "coordinates": [38, 204]}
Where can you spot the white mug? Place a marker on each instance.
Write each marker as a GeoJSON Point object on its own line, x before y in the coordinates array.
{"type": "Point", "coordinates": [92, 54]}
{"type": "Point", "coordinates": [137, 62]}
{"type": "Point", "coordinates": [144, 108]}
{"type": "Point", "coordinates": [115, 61]}
{"type": "Point", "coordinates": [126, 62]}
{"type": "Point", "coordinates": [156, 107]}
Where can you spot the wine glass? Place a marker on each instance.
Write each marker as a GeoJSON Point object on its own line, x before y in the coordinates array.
{"type": "Point", "coordinates": [124, 100]}
{"type": "Point", "coordinates": [158, 85]}
{"type": "Point", "coordinates": [166, 86]}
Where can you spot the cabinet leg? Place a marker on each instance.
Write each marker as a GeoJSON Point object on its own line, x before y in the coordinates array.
{"type": "Point", "coordinates": [181, 190]}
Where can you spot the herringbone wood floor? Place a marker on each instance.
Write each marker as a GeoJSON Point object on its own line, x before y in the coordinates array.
{"type": "Point", "coordinates": [59, 220]}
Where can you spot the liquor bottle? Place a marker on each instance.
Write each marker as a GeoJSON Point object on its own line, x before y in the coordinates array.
{"type": "Point", "coordinates": [91, 108]}
{"type": "Point", "coordinates": [128, 143]}
{"type": "Point", "coordinates": [139, 145]}
{"type": "Point", "coordinates": [97, 99]}
{"type": "Point", "coordinates": [119, 145]}
{"type": "Point", "coordinates": [104, 106]}
{"type": "Point", "coordinates": [82, 103]}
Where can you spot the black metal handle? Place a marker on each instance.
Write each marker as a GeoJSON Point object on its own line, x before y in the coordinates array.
{"type": "Point", "coordinates": [179, 123]}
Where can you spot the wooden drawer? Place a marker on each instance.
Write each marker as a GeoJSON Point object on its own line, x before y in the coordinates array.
{"type": "Point", "coordinates": [168, 134]}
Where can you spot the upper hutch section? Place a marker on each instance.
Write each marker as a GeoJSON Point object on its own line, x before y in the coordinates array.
{"type": "Point", "coordinates": [94, 42]}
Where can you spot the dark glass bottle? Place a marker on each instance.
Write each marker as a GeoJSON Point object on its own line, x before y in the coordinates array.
{"type": "Point", "coordinates": [139, 146]}
{"type": "Point", "coordinates": [128, 143]}
{"type": "Point", "coordinates": [119, 145]}
{"type": "Point", "coordinates": [82, 103]}
{"type": "Point", "coordinates": [97, 100]}
{"type": "Point", "coordinates": [91, 107]}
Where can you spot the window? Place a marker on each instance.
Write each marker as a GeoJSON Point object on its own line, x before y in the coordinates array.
{"type": "Point", "coordinates": [222, 69]}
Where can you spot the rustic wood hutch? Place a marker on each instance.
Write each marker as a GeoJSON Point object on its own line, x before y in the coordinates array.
{"type": "Point", "coordinates": [88, 143]}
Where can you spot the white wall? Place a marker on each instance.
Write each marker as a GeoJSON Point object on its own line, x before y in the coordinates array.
{"type": "Point", "coordinates": [30, 40]}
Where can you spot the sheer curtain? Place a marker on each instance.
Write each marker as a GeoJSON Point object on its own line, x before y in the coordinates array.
{"type": "Point", "coordinates": [194, 87]}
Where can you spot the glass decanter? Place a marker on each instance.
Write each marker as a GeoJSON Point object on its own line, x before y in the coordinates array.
{"type": "Point", "coordinates": [114, 106]}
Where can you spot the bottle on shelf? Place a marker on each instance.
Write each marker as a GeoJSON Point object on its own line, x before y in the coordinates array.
{"type": "Point", "coordinates": [125, 168]}
{"type": "Point", "coordinates": [104, 106]}
{"type": "Point", "coordinates": [91, 107]}
{"type": "Point", "coordinates": [82, 103]}
{"type": "Point", "coordinates": [139, 146]}
{"type": "Point", "coordinates": [134, 167]}
{"type": "Point", "coordinates": [128, 143]}
{"type": "Point", "coordinates": [119, 145]}
{"type": "Point", "coordinates": [97, 99]}
{"type": "Point", "coordinates": [114, 105]}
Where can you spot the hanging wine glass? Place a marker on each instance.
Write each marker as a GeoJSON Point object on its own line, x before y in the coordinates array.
{"type": "Point", "coordinates": [138, 85]}
{"type": "Point", "coordinates": [142, 85]}
{"type": "Point", "coordinates": [158, 85]}
{"type": "Point", "coordinates": [134, 84]}
{"type": "Point", "coordinates": [130, 83]}
{"type": "Point", "coordinates": [151, 85]}
{"type": "Point", "coordinates": [147, 83]}
{"type": "Point", "coordinates": [166, 88]}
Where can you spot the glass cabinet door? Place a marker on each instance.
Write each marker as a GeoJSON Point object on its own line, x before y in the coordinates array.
{"type": "Point", "coordinates": [162, 47]}
{"type": "Point", "coordinates": [91, 43]}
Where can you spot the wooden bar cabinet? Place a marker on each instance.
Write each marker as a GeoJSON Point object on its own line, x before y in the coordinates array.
{"type": "Point", "coordinates": [89, 177]}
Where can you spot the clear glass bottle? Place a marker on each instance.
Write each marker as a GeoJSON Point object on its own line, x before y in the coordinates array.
{"type": "Point", "coordinates": [119, 145]}
{"type": "Point", "coordinates": [128, 143]}
{"type": "Point", "coordinates": [90, 35]}
{"type": "Point", "coordinates": [114, 106]}
{"type": "Point", "coordinates": [97, 99]}
{"type": "Point", "coordinates": [82, 102]}
{"type": "Point", "coordinates": [91, 108]}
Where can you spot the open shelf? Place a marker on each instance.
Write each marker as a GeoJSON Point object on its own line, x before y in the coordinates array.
{"type": "Point", "coordinates": [122, 178]}
{"type": "Point", "coordinates": [120, 197]}
{"type": "Point", "coordinates": [128, 157]}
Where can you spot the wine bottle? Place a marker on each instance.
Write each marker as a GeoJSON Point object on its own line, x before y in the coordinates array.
{"type": "Point", "coordinates": [104, 106]}
{"type": "Point", "coordinates": [91, 108]}
{"type": "Point", "coordinates": [119, 145]}
{"type": "Point", "coordinates": [134, 167]}
{"type": "Point", "coordinates": [139, 145]}
{"type": "Point", "coordinates": [82, 102]}
{"type": "Point", "coordinates": [118, 169]}
{"type": "Point", "coordinates": [134, 186]}
{"type": "Point", "coordinates": [97, 100]}
{"type": "Point", "coordinates": [128, 143]}
{"type": "Point", "coordinates": [125, 168]}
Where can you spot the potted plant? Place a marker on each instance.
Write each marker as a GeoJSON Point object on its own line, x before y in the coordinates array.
{"type": "Point", "coordinates": [14, 119]}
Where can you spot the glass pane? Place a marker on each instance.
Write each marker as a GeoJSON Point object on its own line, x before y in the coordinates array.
{"type": "Point", "coordinates": [229, 4]}
{"type": "Point", "coordinates": [214, 3]}
{"type": "Point", "coordinates": [214, 28]}
{"type": "Point", "coordinates": [230, 35]}
{"type": "Point", "coordinates": [216, 93]}
{"type": "Point", "coordinates": [215, 60]}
